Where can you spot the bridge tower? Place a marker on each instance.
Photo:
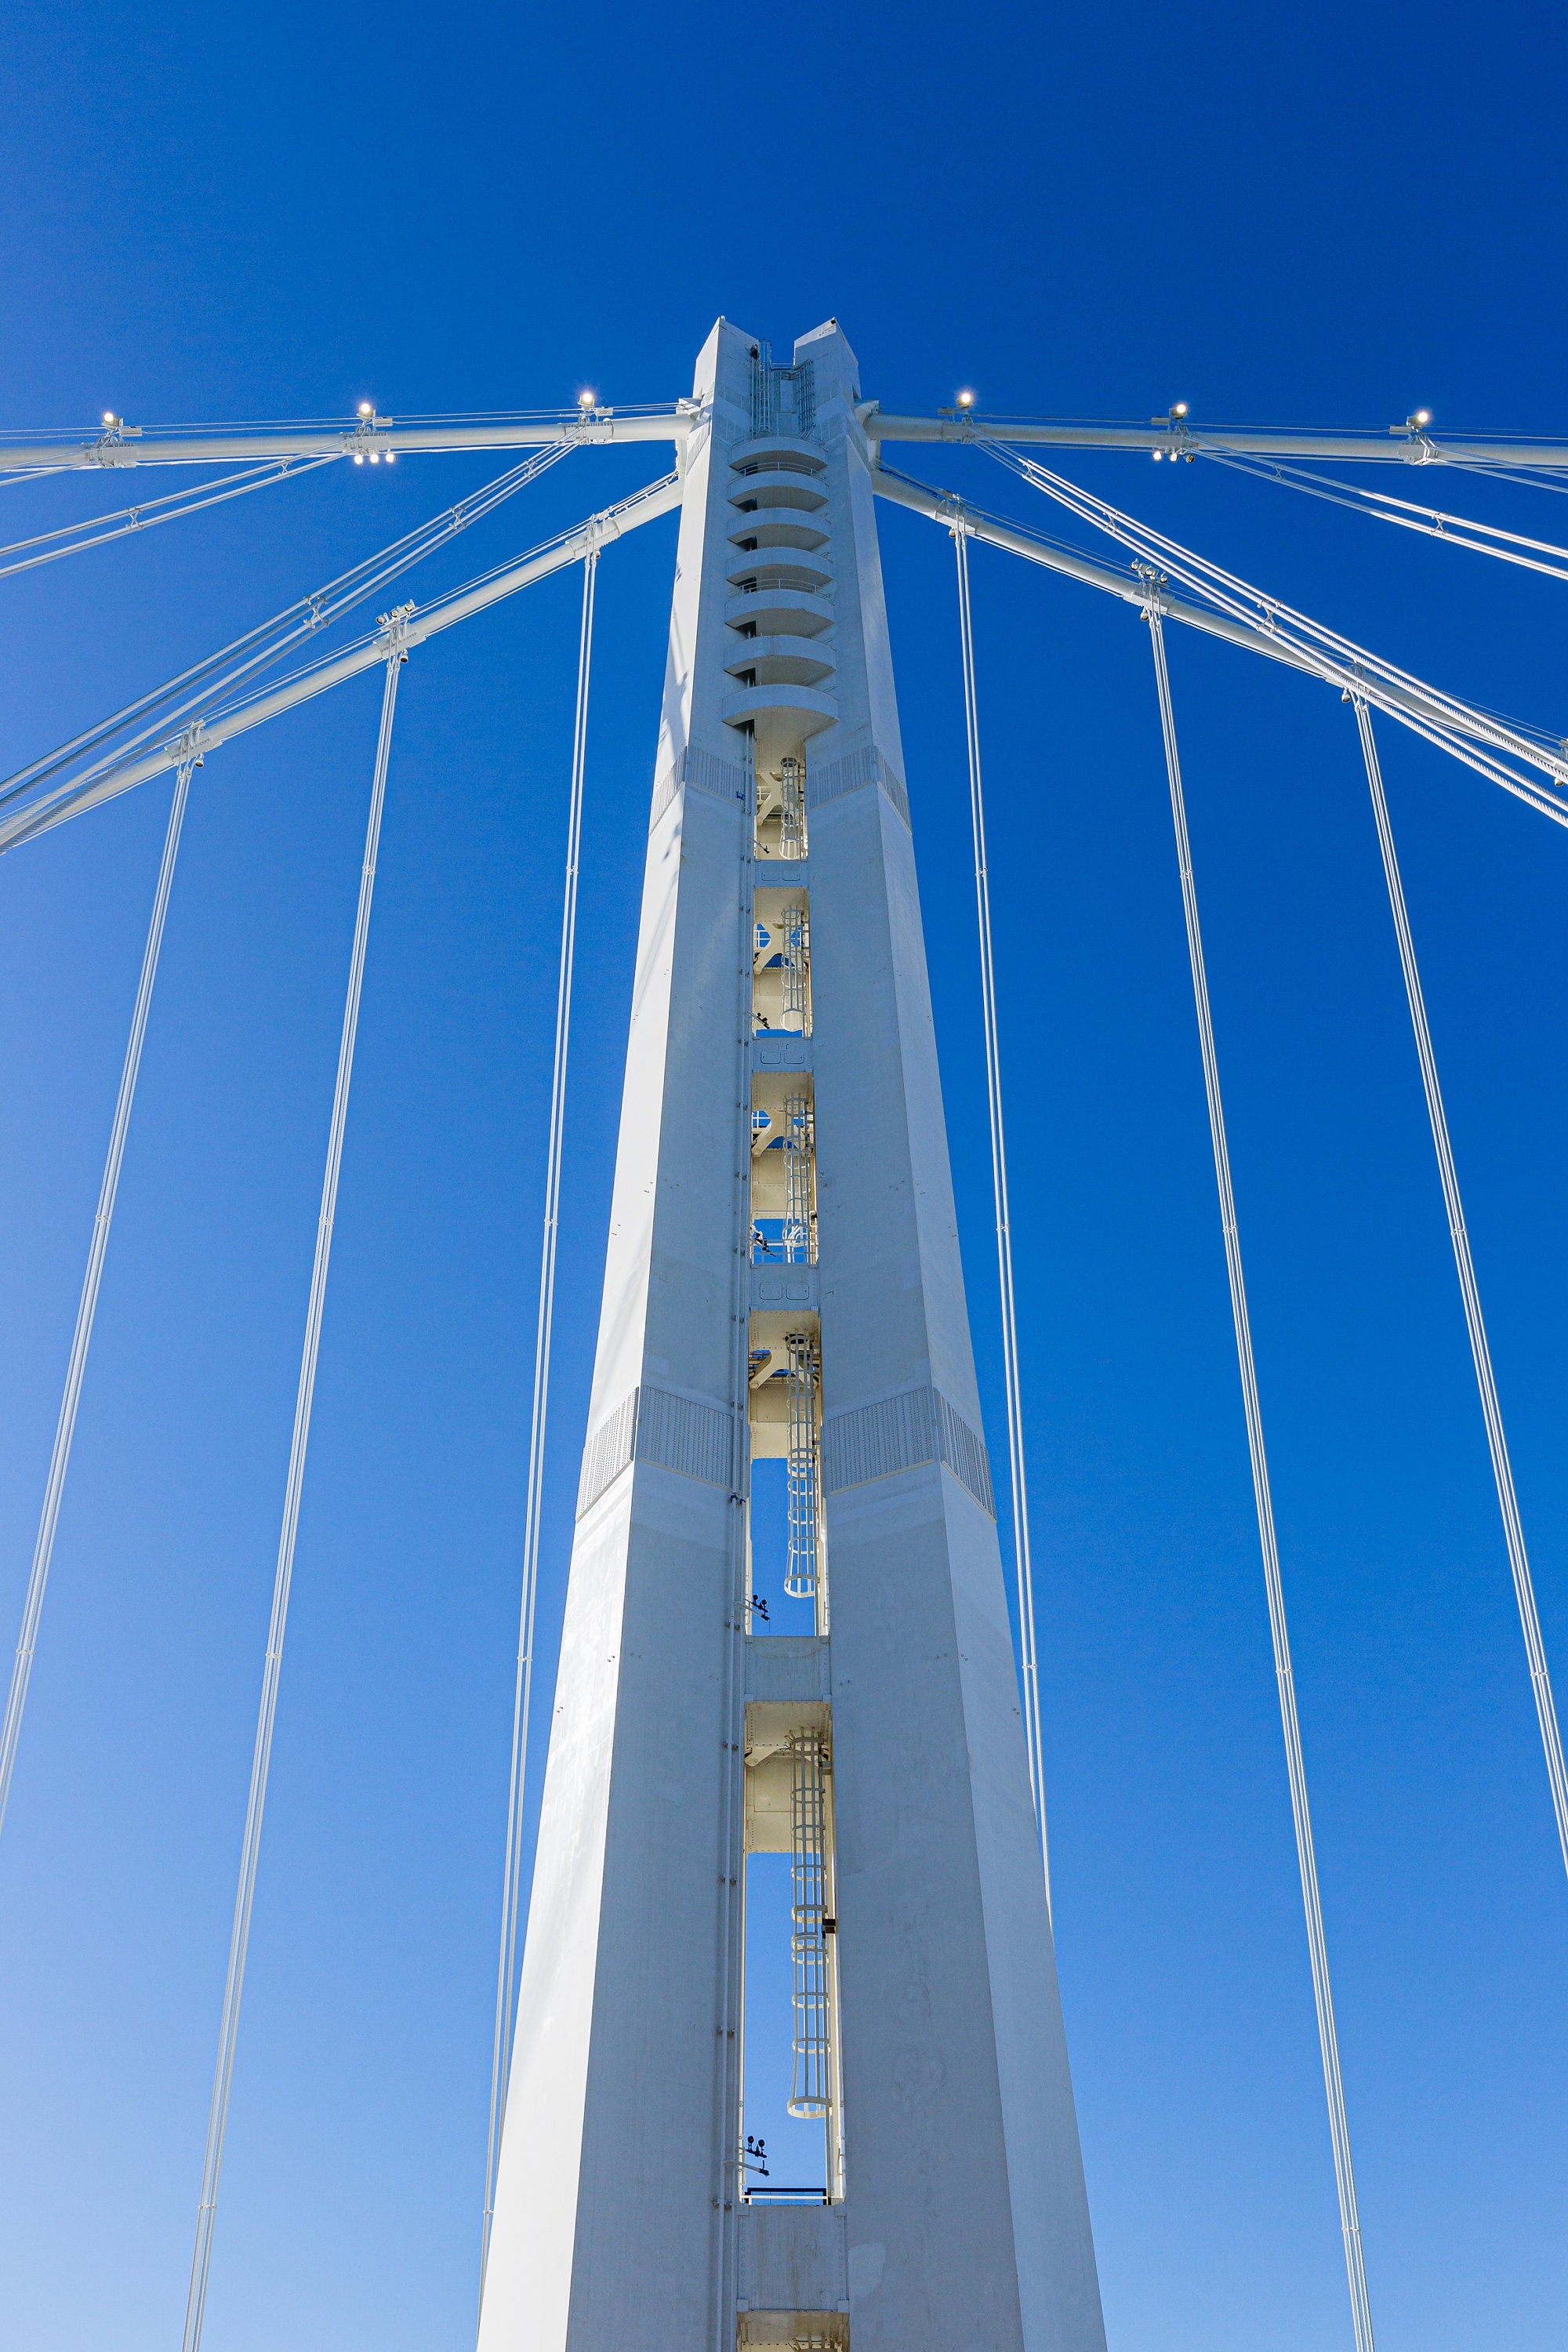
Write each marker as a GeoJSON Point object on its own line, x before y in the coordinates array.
{"type": "Point", "coordinates": [783, 1337]}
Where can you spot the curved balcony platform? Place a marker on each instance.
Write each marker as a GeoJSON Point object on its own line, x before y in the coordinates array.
{"type": "Point", "coordinates": [777, 445]}
{"type": "Point", "coordinates": [779, 482]}
{"type": "Point", "coordinates": [772, 568]}
{"type": "Point", "coordinates": [808, 707]}
{"type": "Point", "coordinates": [780, 613]}
{"type": "Point", "coordinates": [780, 527]}
{"type": "Point", "coordinates": [782, 661]}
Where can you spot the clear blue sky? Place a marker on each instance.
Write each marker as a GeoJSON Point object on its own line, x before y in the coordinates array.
{"type": "Point", "coordinates": [1323, 216]}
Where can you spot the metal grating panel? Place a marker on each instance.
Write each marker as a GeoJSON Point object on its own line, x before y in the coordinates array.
{"type": "Point", "coordinates": [898, 1433]}
{"type": "Point", "coordinates": [723, 778]}
{"type": "Point", "coordinates": [677, 1433]}
{"type": "Point", "coordinates": [850, 775]}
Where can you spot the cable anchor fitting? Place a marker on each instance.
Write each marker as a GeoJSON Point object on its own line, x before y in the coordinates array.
{"type": "Point", "coordinates": [1154, 581]}
{"type": "Point", "coordinates": [188, 748]}
{"type": "Point", "coordinates": [394, 643]}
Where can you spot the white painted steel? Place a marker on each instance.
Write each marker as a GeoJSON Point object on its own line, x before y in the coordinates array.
{"type": "Point", "coordinates": [618, 2215]}
{"type": "Point", "coordinates": [166, 446]}
{"type": "Point", "coordinates": [512, 1884]}
{"type": "Point", "coordinates": [660, 499]}
{"type": "Point", "coordinates": [1377, 680]}
{"type": "Point", "coordinates": [1469, 1292]}
{"type": "Point", "coordinates": [218, 445]}
{"type": "Point", "coordinates": [1177, 437]}
{"type": "Point", "coordinates": [1424, 711]}
{"type": "Point", "coordinates": [101, 531]}
{"type": "Point", "coordinates": [239, 1942]}
{"type": "Point", "coordinates": [1306, 1854]}
{"type": "Point", "coordinates": [87, 1308]}
{"type": "Point", "coordinates": [617, 2161]}
{"type": "Point", "coordinates": [1011, 1377]}
{"type": "Point", "coordinates": [263, 647]}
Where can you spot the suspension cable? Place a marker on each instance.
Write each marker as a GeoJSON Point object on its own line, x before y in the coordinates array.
{"type": "Point", "coordinates": [1016, 1472]}
{"type": "Point", "coordinates": [259, 647]}
{"type": "Point", "coordinates": [512, 1884]}
{"type": "Point", "coordinates": [1335, 657]}
{"type": "Point", "coordinates": [1339, 2126]}
{"type": "Point", "coordinates": [96, 531]}
{"type": "Point", "coordinates": [1469, 1291]}
{"type": "Point", "coordinates": [1380, 507]}
{"type": "Point", "coordinates": [217, 2121]}
{"type": "Point", "coordinates": [81, 1337]}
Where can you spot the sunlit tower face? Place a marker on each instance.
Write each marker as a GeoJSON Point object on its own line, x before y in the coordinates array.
{"type": "Point", "coordinates": [788, 1951]}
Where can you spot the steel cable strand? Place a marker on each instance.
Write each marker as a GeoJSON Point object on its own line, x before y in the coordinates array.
{"type": "Point", "coordinates": [1469, 1292]}
{"type": "Point", "coordinates": [87, 1307]}
{"type": "Point", "coordinates": [1348, 677]}
{"type": "Point", "coordinates": [270, 640]}
{"type": "Point", "coordinates": [217, 2121]}
{"type": "Point", "coordinates": [81, 536]}
{"type": "Point", "coordinates": [1363, 671]}
{"type": "Point", "coordinates": [1306, 1855]}
{"type": "Point", "coordinates": [1378, 506]}
{"type": "Point", "coordinates": [512, 1887]}
{"type": "Point", "coordinates": [220, 726]}
{"type": "Point", "coordinates": [1023, 1555]}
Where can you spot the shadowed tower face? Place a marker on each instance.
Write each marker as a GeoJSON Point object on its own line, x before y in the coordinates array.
{"type": "Point", "coordinates": [784, 1369]}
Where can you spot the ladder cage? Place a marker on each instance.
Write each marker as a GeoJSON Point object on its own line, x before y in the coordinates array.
{"type": "Point", "coordinates": [794, 955]}
{"type": "Point", "coordinates": [799, 1213]}
{"type": "Point", "coordinates": [792, 807]}
{"type": "Point", "coordinates": [801, 1564]}
{"type": "Point", "coordinates": [812, 2094]}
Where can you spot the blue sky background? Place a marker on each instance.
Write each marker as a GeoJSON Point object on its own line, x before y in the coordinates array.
{"type": "Point", "coordinates": [227, 212]}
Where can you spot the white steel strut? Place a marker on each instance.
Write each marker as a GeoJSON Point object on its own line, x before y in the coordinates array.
{"type": "Point", "coordinates": [1469, 1292]}
{"type": "Point", "coordinates": [117, 444]}
{"type": "Point", "coordinates": [1296, 1769]}
{"type": "Point", "coordinates": [1465, 734]}
{"type": "Point", "coordinates": [86, 1309]}
{"type": "Point", "coordinates": [207, 733]}
{"type": "Point", "coordinates": [393, 654]}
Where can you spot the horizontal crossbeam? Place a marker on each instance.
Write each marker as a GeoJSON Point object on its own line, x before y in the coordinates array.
{"type": "Point", "coordinates": [121, 445]}
{"type": "Point", "coordinates": [380, 437]}
{"type": "Point", "coordinates": [1436, 717]}
{"type": "Point", "coordinates": [1401, 445]}
{"type": "Point", "coordinates": [410, 628]}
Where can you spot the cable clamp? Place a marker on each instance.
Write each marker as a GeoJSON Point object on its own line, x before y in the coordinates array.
{"type": "Point", "coordinates": [115, 432]}
{"type": "Point", "coordinates": [365, 439]}
{"type": "Point", "coordinates": [394, 644]}
{"type": "Point", "coordinates": [188, 748]}
{"type": "Point", "coordinates": [1154, 581]}
{"type": "Point", "coordinates": [1421, 449]}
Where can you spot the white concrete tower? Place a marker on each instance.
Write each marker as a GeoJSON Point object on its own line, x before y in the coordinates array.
{"type": "Point", "coordinates": [783, 1280]}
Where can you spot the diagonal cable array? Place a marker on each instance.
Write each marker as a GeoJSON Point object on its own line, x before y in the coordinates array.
{"type": "Point", "coordinates": [1455, 727]}
{"type": "Point", "coordinates": [207, 681]}
{"type": "Point", "coordinates": [220, 724]}
{"type": "Point", "coordinates": [1508, 546]}
{"type": "Point", "coordinates": [86, 1309]}
{"type": "Point", "coordinates": [1469, 1292]}
{"type": "Point", "coordinates": [1481, 739]}
{"type": "Point", "coordinates": [77, 538]}
{"type": "Point", "coordinates": [512, 1887]}
{"type": "Point", "coordinates": [1023, 1551]}
{"type": "Point", "coordinates": [239, 1940]}
{"type": "Point", "coordinates": [1306, 1853]}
